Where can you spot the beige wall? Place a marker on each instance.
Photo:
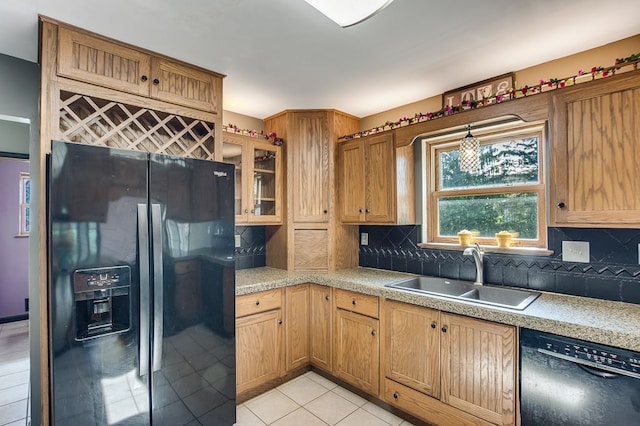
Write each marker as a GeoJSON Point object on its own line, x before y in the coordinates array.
{"type": "Point", "coordinates": [242, 121]}
{"type": "Point", "coordinates": [559, 68]}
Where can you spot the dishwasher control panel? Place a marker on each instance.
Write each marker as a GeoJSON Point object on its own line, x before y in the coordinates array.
{"type": "Point", "coordinates": [619, 359]}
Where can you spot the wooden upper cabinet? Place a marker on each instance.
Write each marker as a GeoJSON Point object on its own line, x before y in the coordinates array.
{"type": "Point", "coordinates": [478, 368]}
{"type": "Point", "coordinates": [106, 63]}
{"type": "Point", "coordinates": [96, 61]}
{"type": "Point", "coordinates": [351, 181]}
{"type": "Point", "coordinates": [310, 167]}
{"type": "Point", "coordinates": [380, 190]}
{"type": "Point", "coordinates": [258, 184]}
{"type": "Point", "coordinates": [595, 157]}
{"type": "Point", "coordinates": [376, 181]}
{"type": "Point", "coordinates": [184, 85]}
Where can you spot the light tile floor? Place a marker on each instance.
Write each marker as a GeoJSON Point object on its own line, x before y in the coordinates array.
{"type": "Point", "coordinates": [312, 400]}
{"type": "Point", "coordinates": [308, 400]}
{"type": "Point", "coordinates": [14, 373]}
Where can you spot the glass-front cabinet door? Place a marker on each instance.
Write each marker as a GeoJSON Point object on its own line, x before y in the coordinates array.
{"type": "Point", "coordinates": [266, 188]}
{"type": "Point", "coordinates": [258, 186]}
{"type": "Point", "coordinates": [232, 152]}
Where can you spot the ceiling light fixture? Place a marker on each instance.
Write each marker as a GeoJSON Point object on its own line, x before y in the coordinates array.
{"type": "Point", "coordinates": [349, 12]}
{"type": "Point", "coordinates": [470, 153]}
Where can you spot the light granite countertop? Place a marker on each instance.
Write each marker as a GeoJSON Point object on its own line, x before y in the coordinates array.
{"type": "Point", "coordinates": [609, 323]}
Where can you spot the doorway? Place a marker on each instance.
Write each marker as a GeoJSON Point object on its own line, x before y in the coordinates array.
{"type": "Point", "coordinates": [15, 199]}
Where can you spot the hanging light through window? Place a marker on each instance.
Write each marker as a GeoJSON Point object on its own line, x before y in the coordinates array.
{"type": "Point", "coordinates": [470, 153]}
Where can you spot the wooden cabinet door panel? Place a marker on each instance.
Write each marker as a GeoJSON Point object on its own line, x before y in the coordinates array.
{"type": "Point", "coordinates": [478, 368]}
{"type": "Point", "coordinates": [411, 350]}
{"type": "Point", "coordinates": [351, 182]}
{"type": "Point", "coordinates": [296, 326]}
{"type": "Point", "coordinates": [311, 249]}
{"type": "Point", "coordinates": [595, 157]}
{"type": "Point", "coordinates": [321, 326]}
{"type": "Point", "coordinates": [380, 179]}
{"type": "Point", "coordinates": [357, 350]}
{"type": "Point", "coordinates": [92, 60]}
{"type": "Point", "coordinates": [310, 168]}
{"type": "Point", "coordinates": [183, 85]}
{"type": "Point", "coordinates": [258, 349]}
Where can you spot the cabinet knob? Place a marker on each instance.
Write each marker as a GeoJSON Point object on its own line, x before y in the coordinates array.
{"type": "Point", "coordinates": [561, 205]}
{"type": "Point", "coordinates": [257, 302]}
{"type": "Point", "coordinates": [444, 329]}
{"type": "Point", "coordinates": [279, 322]}
{"type": "Point", "coordinates": [373, 332]}
{"type": "Point", "coordinates": [395, 395]}
{"type": "Point", "coordinates": [367, 211]}
{"type": "Point", "coordinates": [252, 211]}
{"type": "Point", "coordinates": [144, 78]}
{"type": "Point", "coordinates": [246, 210]}
{"type": "Point", "coordinates": [353, 302]}
{"type": "Point", "coordinates": [325, 211]}
{"type": "Point", "coordinates": [434, 324]}
{"type": "Point", "coordinates": [359, 210]}
{"type": "Point", "coordinates": [156, 81]}
{"type": "Point", "coordinates": [326, 297]}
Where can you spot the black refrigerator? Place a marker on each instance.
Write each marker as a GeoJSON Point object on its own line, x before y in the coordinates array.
{"type": "Point", "coordinates": [141, 288]}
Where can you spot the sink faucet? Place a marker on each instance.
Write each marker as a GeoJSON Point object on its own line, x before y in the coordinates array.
{"type": "Point", "coordinates": [477, 257]}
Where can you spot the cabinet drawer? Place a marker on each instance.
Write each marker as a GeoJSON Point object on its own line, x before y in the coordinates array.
{"type": "Point", "coordinates": [186, 267]}
{"type": "Point", "coordinates": [355, 302]}
{"type": "Point", "coordinates": [258, 302]}
{"type": "Point", "coordinates": [425, 407]}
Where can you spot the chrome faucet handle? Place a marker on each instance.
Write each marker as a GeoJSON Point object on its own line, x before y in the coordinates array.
{"type": "Point", "coordinates": [480, 252]}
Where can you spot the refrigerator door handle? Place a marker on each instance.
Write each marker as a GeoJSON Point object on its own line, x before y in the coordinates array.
{"type": "Point", "coordinates": [143, 251]}
{"type": "Point", "coordinates": [158, 285]}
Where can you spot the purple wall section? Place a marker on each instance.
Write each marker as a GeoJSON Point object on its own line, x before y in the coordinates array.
{"type": "Point", "coordinates": [14, 252]}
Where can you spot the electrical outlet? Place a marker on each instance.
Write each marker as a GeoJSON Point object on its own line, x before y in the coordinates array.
{"type": "Point", "coordinates": [364, 239]}
{"type": "Point", "coordinates": [575, 251]}
{"type": "Point", "coordinates": [238, 241]}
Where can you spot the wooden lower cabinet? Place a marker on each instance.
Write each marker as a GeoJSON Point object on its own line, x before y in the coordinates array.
{"type": "Point", "coordinates": [448, 369]}
{"type": "Point", "coordinates": [356, 350]}
{"type": "Point", "coordinates": [259, 339]}
{"type": "Point", "coordinates": [411, 351]}
{"type": "Point", "coordinates": [296, 326]}
{"type": "Point", "coordinates": [478, 368]}
{"type": "Point", "coordinates": [258, 349]}
{"type": "Point", "coordinates": [321, 327]}
{"type": "Point", "coordinates": [443, 368]}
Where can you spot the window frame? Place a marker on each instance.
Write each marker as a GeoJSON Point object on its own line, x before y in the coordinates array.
{"type": "Point", "coordinates": [432, 145]}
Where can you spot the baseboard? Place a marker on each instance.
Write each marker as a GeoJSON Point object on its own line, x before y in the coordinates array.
{"type": "Point", "coordinates": [13, 319]}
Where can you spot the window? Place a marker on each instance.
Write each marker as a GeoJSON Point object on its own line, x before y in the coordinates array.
{"type": "Point", "coordinates": [507, 194]}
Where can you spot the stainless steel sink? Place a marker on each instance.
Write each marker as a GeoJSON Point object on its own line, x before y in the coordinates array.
{"type": "Point", "coordinates": [465, 290]}
{"type": "Point", "coordinates": [433, 285]}
{"type": "Point", "coordinates": [503, 297]}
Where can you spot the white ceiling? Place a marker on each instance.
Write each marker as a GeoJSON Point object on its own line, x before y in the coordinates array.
{"type": "Point", "coordinates": [283, 54]}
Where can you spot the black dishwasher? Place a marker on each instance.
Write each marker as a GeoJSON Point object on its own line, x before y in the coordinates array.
{"type": "Point", "coordinates": [565, 381]}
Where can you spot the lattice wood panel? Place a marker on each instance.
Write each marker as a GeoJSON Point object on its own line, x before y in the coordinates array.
{"type": "Point", "coordinates": [95, 121]}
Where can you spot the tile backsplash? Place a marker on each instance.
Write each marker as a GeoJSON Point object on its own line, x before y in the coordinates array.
{"type": "Point", "coordinates": [612, 273]}
{"type": "Point", "coordinates": [251, 253]}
